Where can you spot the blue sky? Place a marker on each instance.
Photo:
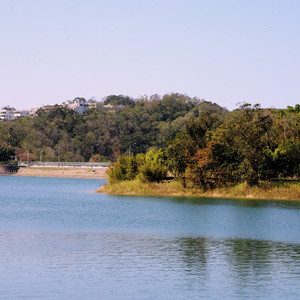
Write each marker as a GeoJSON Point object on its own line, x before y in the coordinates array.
{"type": "Point", "coordinates": [225, 51]}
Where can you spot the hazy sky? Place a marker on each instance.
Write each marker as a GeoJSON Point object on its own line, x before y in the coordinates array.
{"type": "Point", "coordinates": [225, 51]}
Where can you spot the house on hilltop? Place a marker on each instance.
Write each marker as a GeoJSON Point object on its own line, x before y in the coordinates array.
{"type": "Point", "coordinates": [80, 105]}
{"type": "Point", "coordinates": [7, 113]}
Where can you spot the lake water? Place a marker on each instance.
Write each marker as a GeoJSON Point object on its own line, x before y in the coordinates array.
{"type": "Point", "coordinates": [60, 240]}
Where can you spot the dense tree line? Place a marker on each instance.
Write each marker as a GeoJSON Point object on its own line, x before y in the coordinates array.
{"type": "Point", "coordinates": [197, 141]}
{"type": "Point", "coordinates": [248, 144]}
{"type": "Point", "coordinates": [104, 132]}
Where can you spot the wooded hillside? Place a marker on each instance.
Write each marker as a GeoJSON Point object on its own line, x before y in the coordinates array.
{"type": "Point", "coordinates": [198, 138]}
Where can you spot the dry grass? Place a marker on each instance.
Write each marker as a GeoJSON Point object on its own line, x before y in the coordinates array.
{"type": "Point", "coordinates": [266, 190]}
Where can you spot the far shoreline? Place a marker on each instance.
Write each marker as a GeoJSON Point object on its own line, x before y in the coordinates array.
{"type": "Point", "coordinates": [63, 172]}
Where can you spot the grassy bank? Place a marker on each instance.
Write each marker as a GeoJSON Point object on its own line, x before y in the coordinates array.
{"type": "Point", "coordinates": [265, 190]}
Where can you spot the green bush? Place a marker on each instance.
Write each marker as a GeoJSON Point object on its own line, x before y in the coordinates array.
{"type": "Point", "coordinates": [153, 172]}
{"type": "Point", "coordinates": [125, 168]}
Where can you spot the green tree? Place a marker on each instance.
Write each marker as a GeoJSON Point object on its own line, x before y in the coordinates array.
{"type": "Point", "coordinates": [245, 131]}
{"type": "Point", "coordinates": [119, 100]}
{"type": "Point", "coordinates": [125, 168]}
{"type": "Point", "coordinates": [6, 153]}
{"type": "Point", "coordinates": [287, 159]}
{"type": "Point", "coordinates": [154, 168]}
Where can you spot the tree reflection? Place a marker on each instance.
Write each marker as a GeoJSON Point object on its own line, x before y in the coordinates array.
{"type": "Point", "coordinates": [247, 262]}
{"type": "Point", "coordinates": [259, 264]}
{"type": "Point", "coordinates": [194, 254]}
{"type": "Point", "coordinates": [249, 256]}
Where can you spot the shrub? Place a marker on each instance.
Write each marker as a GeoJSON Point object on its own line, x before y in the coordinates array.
{"type": "Point", "coordinates": [153, 172]}
{"type": "Point", "coordinates": [125, 168]}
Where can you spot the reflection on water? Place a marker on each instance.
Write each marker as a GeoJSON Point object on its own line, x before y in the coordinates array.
{"type": "Point", "coordinates": [135, 266]}
{"type": "Point", "coordinates": [240, 202]}
{"type": "Point", "coordinates": [59, 240]}
{"type": "Point", "coordinates": [249, 267]}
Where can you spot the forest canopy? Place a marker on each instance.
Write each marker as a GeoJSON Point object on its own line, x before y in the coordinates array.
{"type": "Point", "coordinates": [201, 139]}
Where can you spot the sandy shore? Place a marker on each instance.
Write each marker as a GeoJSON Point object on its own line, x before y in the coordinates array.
{"type": "Point", "coordinates": [71, 172]}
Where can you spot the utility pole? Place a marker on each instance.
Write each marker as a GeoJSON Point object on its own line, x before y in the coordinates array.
{"type": "Point", "coordinates": [41, 155]}
{"type": "Point", "coordinates": [130, 149]}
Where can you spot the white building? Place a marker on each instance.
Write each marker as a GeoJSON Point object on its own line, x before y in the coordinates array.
{"type": "Point", "coordinates": [81, 108]}
{"type": "Point", "coordinates": [7, 113]}
{"type": "Point", "coordinates": [78, 106]}
{"type": "Point", "coordinates": [21, 113]}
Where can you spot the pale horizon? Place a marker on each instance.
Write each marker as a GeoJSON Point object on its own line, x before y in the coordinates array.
{"type": "Point", "coordinates": [221, 51]}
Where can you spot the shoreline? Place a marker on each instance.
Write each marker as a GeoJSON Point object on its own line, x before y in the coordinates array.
{"type": "Point", "coordinates": [267, 191]}
{"type": "Point", "coordinates": [63, 172]}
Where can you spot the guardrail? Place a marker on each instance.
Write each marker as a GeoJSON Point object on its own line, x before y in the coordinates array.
{"type": "Point", "coordinates": [64, 164]}
{"type": "Point", "coordinates": [8, 168]}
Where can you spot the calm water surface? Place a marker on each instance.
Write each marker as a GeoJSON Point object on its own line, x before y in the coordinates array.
{"type": "Point", "coordinates": [60, 240]}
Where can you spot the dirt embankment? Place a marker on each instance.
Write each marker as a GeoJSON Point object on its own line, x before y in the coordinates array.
{"type": "Point", "coordinates": [70, 172]}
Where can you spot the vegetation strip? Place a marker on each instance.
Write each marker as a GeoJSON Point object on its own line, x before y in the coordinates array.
{"type": "Point", "coordinates": [269, 190]}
